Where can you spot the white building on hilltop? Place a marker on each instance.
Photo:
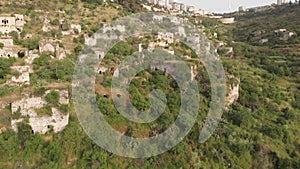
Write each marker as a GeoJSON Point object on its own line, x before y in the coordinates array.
{"type": "Point", "coordinates": [280, 2]}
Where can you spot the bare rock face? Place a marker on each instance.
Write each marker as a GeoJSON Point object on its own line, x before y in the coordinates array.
{"type": "Point", "coordinates": [233, 94]}
{"type": "Point", "coordinates": [23, 78]}
{"type": "Point", "coordinates": [27, 107]}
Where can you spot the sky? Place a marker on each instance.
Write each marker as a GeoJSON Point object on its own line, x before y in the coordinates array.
{"type": "Point", "coordinates": [222, 6]}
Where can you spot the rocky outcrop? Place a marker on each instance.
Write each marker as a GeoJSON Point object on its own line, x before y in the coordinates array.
{"type": "Point", "coordinates": [233, 93]}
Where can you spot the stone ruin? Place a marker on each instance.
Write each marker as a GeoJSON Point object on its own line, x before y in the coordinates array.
{"type": "Point", "coordinates": [120, 28]}
{"type": "Point", "coordinates": [32, 54]}
{"type": "Point", "coordinates": [112, 70]}
{"type": "Point", "coordinates": [48, 27]}
{"type": "Point", "coordinates": [10, 23]}
{"type": "Point", "coordinates": [40, 124]}
{"type": "Point", "coordinates": [74, 29]}
{"type": "Point", "coordinates": [169, 37]}
{"type": "Point", "coordinates": [9, 49]}
{"type": "Point", "coordinates": [51, 46]}
{"type": "Point", "coordinates": [23, 78]}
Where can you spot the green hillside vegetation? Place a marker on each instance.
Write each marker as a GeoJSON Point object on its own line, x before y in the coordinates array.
{"type": "Point", "coordinates": [261, 130]}
{"type": "Point", "coordinates": [254, 26]}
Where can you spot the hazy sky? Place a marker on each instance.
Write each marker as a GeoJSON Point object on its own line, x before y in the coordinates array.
{"type": "Point", "coordinates": [220, 6]}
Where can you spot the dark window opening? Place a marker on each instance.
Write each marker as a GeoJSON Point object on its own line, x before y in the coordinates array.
{"type": "Point", "coordinates": [5, 21]}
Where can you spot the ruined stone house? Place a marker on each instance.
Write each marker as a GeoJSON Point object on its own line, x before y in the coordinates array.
{"type": "Point", "coordinates": [23, 78]}
{"type": "Point", "coordinates": [9, 49]}
{"type": "Point", "coordinates": [27, 107]}
{"type": "Point", "coordinates": [169, 37]}
{"type": "Point", "coordinates": [10, 23]}
{"type": "Point", "coordinates": [51, 46]}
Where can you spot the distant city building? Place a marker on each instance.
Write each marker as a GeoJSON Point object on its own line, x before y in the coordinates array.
{"type": "Point", "coordinates": [241, 9]}
{"type": "Point", "coordinates": [199, 12]}
{"type": "Point", "coordinates": [280, 2]}
{"type": "Point", "coordinates": [161, 2]}
{"type": "Point", "coordinates": [183, 7]}
{"type": "Point", "coordinates": [227, 20]}
{"type": "Point", "coordinates": [176, 6]}
{"type": "Point", "coordinates": [167, 3]}
{"type": "Point", "coordinates": [191, 8]}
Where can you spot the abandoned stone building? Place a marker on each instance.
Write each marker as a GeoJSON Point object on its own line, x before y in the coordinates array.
{"type": "Point", "coordinates": [51, 46]}
{"type": "Point", "coordinates": [169, 37]}
{"type": "Point", "coordinates": [23, 78]}
{"type": "Point", "coordinates": [10, 23]}
{"type": "Point", "coordinates": [28, 108]}
{"type": "Point", "coordinates": [9, 49]}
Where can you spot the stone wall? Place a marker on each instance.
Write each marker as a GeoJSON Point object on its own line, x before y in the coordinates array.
{"type": "Point", "coordinates": [7, 52]}
{"type": "Point", "coordinates": [7, 42]}
{"type": "Point", "coordinates": [27, 107]}
{"type": "Point", "coordinates": [23, 78]}
{"type": "Point", "coordinates": [32, 54]}
{"type": "Point", "coordinates": [10, 23]}
{"type": "Point", "coordinates": [52, 46]}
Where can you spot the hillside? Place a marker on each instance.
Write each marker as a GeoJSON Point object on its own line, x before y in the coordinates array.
{"type": "Point", "coordinates": [39, 127]}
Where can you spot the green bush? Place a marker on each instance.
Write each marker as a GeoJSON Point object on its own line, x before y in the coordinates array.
{"type": "Point", "coordinates": [5, 65]}
{"type": "Point", "coordinates": [39, 91]}
{"type": "Point", "coordinates": [31, 44]}
{"type": "Point", "coordinates": [43, 60]}
{"type": "Point", "coordinates": [52, 97]}
{"type": "Point", "coordinates": [54, 22]}
{"type": "Point", "coordinates": [64, 108]}
{"type": "Point", "coordinates": [44, 111]}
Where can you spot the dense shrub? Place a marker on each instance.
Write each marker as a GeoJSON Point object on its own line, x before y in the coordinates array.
{"type": "Point", "coordinates": [52, 97]}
